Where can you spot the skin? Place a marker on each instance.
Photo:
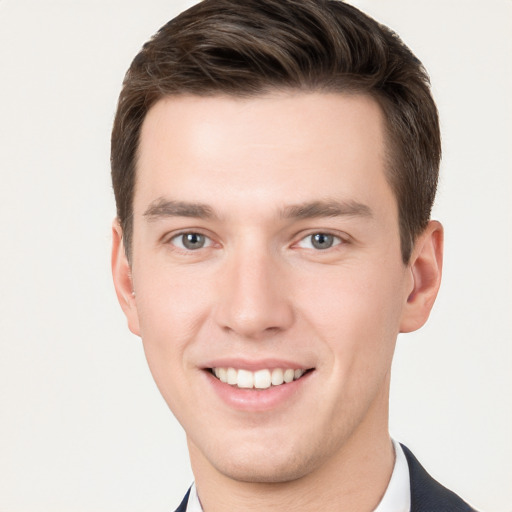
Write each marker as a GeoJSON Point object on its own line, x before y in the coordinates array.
{"type": "Point", "coordinates": [260, 291]}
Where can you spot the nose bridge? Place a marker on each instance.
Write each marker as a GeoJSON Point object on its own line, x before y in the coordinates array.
{"type": "Point", "coordinates": [253, 300]}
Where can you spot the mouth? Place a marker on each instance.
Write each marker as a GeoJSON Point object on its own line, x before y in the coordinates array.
{"type": "Point", "coordinates": [260, 379]}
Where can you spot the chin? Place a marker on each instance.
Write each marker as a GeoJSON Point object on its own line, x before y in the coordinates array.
{"type": "Point", "coordinates": [268, 467]}
{"type": "Point", "coordinates": [265, 473]}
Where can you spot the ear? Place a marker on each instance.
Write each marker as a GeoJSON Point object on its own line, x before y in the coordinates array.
{"type": "Point", "coordinates": [425, 269]}
{"type": "Point", "coordinates": [121, 272]}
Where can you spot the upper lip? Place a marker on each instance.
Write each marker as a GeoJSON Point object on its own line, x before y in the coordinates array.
{"type": "Point", "coordinates": [256, 364]}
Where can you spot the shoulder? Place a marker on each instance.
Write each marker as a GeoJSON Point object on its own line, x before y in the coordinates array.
{"type": "Point", "coordinates": [427, 494]}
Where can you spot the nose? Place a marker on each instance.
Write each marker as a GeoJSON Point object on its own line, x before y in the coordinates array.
{"type": "Point", "coordinates": [253, 299]}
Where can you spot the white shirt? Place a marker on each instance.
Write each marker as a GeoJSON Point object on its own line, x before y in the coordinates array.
{"type": "Point", "coordinates": [397, 497]}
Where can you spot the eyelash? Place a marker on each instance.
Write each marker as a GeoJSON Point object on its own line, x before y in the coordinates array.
{"type": "Point", "coordinates": [180, 236]}
{"type": "Point", "coordinates": [336, 240]}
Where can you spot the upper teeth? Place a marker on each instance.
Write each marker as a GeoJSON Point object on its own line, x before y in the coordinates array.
{"type": "Point", "coordinates": [261, 379]}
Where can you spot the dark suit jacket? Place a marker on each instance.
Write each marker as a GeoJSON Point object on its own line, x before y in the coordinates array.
{"type": "Point", "coordinates": [427, 495]}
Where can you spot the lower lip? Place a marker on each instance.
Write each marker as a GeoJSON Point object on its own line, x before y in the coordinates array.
{"type": "Point", "coordinates": [257, 400]}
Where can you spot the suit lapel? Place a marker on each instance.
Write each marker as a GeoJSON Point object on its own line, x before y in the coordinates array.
{"type": "Point", "coordinates": [183, 504]}
{"type": "Point", "coordinates": [428, 495]}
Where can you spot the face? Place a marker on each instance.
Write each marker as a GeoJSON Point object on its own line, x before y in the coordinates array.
{"type": "Point", "coordinates": [268, 279]}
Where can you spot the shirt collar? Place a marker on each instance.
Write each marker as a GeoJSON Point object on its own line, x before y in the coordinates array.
{"type": "Point", "coordinates": [397, 497]}
{"type": "Point", "coordinates": [193, 504]}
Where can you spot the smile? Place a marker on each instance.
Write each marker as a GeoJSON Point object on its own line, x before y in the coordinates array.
{"type": "Point", "coordinates": [261, 379]}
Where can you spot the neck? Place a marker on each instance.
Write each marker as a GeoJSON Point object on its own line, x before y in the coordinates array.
{"type": "Point", "coordinates": [354, 478]}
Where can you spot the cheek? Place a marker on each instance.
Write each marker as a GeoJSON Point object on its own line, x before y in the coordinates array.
{"type": "Point", "coordinates": [168, 301]}
{"type": "Point", "coordinates": [171, 310]}
{"type": "Point", "coordinates": [357, 314]}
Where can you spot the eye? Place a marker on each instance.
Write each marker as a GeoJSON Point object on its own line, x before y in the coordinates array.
{"type": "Point", "coordinates": [191, 241]}
{"type": "Point", "coordinates": [319, 241]}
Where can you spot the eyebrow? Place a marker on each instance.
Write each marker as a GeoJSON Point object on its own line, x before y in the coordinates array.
{"type": "Point", "coordinates": [162, 208]}
{"type": "Point", "coordinates": [329, 208]}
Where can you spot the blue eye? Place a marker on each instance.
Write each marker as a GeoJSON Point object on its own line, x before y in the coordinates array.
{"type": "Point", "coordinates": [191, 241]}
{"type": "Point", "coordinates": [319, 241]}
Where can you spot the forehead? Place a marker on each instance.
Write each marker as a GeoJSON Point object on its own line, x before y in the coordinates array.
{"type": "Point", "coordinates": [282, 145]}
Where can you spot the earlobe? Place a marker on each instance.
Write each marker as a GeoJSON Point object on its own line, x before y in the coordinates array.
{"type": "Point", "coordinates": [425, 270]}
{"type": "Point", "coordinates": [121, 273]}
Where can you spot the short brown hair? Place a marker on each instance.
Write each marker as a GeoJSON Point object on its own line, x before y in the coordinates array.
{"type": "Point", "coordinates": [246, 48]}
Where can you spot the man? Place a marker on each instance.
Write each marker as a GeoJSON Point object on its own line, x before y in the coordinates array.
{"type": "Point", "coordinates": [274, 165]}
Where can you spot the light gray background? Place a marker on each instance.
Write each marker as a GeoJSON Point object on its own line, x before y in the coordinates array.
{"type": "Point", "coordinates": [82, 426]}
